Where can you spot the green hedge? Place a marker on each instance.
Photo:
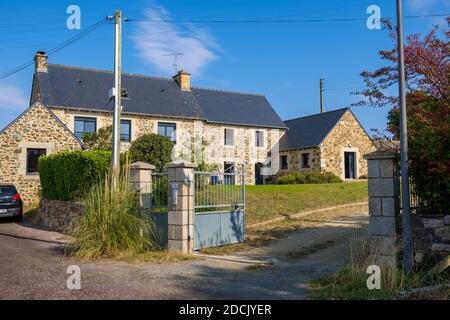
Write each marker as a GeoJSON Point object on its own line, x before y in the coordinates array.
{"type": "Point", "coordinates": [69, 175]}
{"type": "Point", "coordinates": [308, 178]}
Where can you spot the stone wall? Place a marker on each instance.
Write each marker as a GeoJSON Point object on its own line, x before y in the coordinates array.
{"type": "Point", "coordinates": [58, 215]}
{"type": "Point", "coordinates": [244, 149]}
{"type": "Point", "coordinates": [294, 160]}
{"type": "Point", "coordinates": [431, 237]}
{"type": "Point", "coordinates": [347, 135]}
{"type": "Point", "coordinates": [196, 139]}
{"type": "Point", "coordinates": [35, 128]}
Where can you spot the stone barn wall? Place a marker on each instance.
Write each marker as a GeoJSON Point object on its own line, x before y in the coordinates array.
{"type": "Point", "coordinates": [347, 135]}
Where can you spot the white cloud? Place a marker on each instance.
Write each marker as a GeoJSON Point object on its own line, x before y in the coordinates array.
{"type": "Point", "coordinates": [154, 40]}
{"type": "Point", "coordinates": [12, 98]}
{"type": "Point", "coordinates": [13, 101]}
{"type": "Point", "coordinates": [419, 5]}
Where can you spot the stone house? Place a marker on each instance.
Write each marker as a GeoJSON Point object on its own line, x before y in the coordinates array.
{"type": "Point", "coordinates": [217, 127]}
{"type": "Point", "coordinates": [332, 141]}
{"type": "Point", "coordinates": [37, 131]}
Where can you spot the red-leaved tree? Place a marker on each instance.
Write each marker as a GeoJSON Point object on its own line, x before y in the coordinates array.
{"type": "Point", "coordinates": [427, 69]}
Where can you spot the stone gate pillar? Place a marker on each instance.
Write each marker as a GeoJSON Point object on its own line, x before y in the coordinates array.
{"type": "Point", "coordinates": [384, 206]}
{"type": "Point", "coordinates": [181, 207]}
{"type": "Point", "coordinates": [141, 178]}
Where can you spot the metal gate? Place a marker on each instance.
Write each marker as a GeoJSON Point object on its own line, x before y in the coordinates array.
{"type": "Point", "coordinates": [153, 202]}
{"type": "Point", "coordinates": [219, 207]}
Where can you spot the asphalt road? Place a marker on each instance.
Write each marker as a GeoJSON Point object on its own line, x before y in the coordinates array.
{"type": "Point", "coordinates": [32, 266]}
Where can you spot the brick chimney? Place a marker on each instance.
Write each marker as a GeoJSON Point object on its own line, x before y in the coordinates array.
{"type": "Point", "coordinates": [183, 79]}
{"type": "Point", "coordinates": [40, 61]}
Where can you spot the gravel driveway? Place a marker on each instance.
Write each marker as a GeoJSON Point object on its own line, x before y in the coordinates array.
{"type": "Point", "coordinates": [33, 267]}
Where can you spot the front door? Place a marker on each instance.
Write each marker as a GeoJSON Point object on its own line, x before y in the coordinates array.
{"type": "Point", "coordinates": [258, 176]}
{"type": "Point", "coordinates": [350, 165]}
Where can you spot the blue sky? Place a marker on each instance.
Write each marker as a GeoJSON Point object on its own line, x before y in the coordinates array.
{"type": "Point", "coordinates": [283, 61]}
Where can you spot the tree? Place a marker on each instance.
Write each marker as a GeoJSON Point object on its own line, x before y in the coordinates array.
{"type": "Point", "coordinates": [152, 148]}
{"type": "Point", "coordinates": [427, 68]}
{"type": "Point", "coordinates": [100, 140]}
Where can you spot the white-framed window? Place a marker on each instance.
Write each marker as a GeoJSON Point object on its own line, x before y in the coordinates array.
{"type": "Point", "coordinates": [229, 137]}
{"type": "Point", "coordinates": [259, 138]}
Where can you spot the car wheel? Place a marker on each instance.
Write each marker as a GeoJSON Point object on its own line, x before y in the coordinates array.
{"type": "Point", "coordinates": [19, 219]}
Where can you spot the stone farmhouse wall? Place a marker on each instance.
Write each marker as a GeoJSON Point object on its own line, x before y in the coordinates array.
{"type": "Point", "coordinates": [35, 128]}
{"type": "Point", "coordinates": [196, 140]}
{"type": "Point", "coordinates": [294, 160]}
{"type": "Point", "coordinates": [348, 135]}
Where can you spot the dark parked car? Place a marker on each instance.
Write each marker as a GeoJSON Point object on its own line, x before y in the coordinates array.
{"type": "Point", "coordinates": [11, 205]}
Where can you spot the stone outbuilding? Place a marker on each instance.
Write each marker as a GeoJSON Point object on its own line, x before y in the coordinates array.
{"type": "Point", "coordinates": [333, 141]}
{"type": "Point", "coordinates": [37, 131]}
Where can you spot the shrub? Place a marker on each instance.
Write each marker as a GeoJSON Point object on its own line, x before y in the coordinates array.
{"type": "Point", "coordinates": [111, 225]}
{"type": "Point", "coordinates": [68, 175]}
{"type": "Point", "coordinates": [312, 177]}
{"type": "Point", "coordinates": [429, 145]}
{"type": "Point", "coordinates": [100, 140]}
{"type": "Point", "coordinates": [153, 149]}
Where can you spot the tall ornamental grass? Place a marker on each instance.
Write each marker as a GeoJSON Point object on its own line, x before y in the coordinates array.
{"type": "Point", "coordinates": [111, 225]}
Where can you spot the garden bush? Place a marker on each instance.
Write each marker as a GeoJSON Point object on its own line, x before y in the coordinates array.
{"type": "Point", "coordinates": [312, 177]}
{"type": "Point", "coordinates": [69, 175]}
{"type": "Point", "coordinates": [153, 149]}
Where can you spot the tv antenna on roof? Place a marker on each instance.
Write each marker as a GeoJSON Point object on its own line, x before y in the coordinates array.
{"type": "Point", "coordinates": [175, 56]}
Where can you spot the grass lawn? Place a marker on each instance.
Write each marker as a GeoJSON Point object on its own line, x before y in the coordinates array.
{"type": "Point", "coordinates": [272, 201]}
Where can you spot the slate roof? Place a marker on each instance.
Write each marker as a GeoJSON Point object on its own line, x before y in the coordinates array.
{"type": "Point", "coordinates": [311, 130]}
{"type": "Point", "coordinates": [80, 88]}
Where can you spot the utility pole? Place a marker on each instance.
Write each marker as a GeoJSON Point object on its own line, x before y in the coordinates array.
{"type": "Point", "coordinates": [321, 94]}
{"type": "Point", "coordinates": [117, 96]}
{"type": "Point", "coordinates": [406, 213]}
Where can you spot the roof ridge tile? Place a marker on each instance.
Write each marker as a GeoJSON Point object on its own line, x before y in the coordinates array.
{"type": "Point", "coordinates": [317, 114]}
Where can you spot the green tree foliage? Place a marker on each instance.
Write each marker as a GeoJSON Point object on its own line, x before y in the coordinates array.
{"type": "Point", "coordinates": [100, 140]}
{"type": "Point", "coordinates": [153, 149]}
{"type": "Point", "coordinates": [429, 149]}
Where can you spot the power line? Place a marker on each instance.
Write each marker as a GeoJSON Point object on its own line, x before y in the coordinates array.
{"type": "Point", "coordinates": [51, 43]}
{"type": "Point", "coordinates": [59, 47]}
{"type": "Point", "coordinates": [276, 21]}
